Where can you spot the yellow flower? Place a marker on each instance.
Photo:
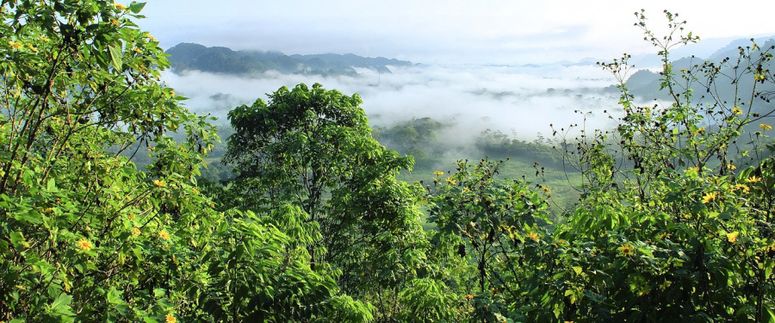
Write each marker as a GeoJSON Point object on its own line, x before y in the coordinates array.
{"type": "Point", "coordinates": [135, 231]}
{"type": "Point", "coordinates": [438, 173]}
{"type": "Point", "coordinates": [737, 111]}
{"type": "Point", "coordinates": [15, 44]}
{"type": "Point", "coordinates": [114, 22]}
{"type": "Point", "coordinates": [170, 318]}
{"type": "Point", "coordinates": [469, 297]}
{"type": "Point", "coordinates": [731, 166]}
{"type": "Point", "coordinates": [765, 127]}
{"type": "Point", "coordinates": [626, 249]}
{"type": "Point", "coordinates": [742, 187]}
{"type": "Point", "coordinates": [164, 235]}
{"type": "Point", "coordinates": [759, 77]}
{"type": "Point", "coordinates": [710, 197]}
{"type": "Point", "coordinates": [119, 6]}
{"type": "Point", "coordinates": [754, 179]}
{"type": "Point", "coordinates": [533, 236]}
{"type": "Point", "coordinates": [451, 181]}
{"type": "Point", "coordinates": [84, 245]}
{"type": "Point", "coordinates": [137, 50]}
{"type": "Point", "coordinates": [159, 183]}
{"type": "Point", "coordinates": [732, 236]}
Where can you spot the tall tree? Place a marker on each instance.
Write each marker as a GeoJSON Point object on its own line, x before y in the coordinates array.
{"type": "Point", "coordinates": [313, 148]}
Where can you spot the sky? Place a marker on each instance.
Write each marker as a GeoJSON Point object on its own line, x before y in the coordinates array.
{"type": "Point", "coordinates": [446, 32]}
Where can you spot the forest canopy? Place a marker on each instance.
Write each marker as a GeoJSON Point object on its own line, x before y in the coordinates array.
{"type": "Point", "coordinates": [672, 216]}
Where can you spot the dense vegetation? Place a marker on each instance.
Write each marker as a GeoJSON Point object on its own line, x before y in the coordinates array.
{"type": "Point", "coordinates": [674, 218]}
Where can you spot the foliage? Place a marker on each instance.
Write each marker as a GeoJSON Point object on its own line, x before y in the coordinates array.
{"type": "Point", "coordinates": [418, 138]}
{"type": "Point", "coordinates": [667, 225]}
{"type": "Point", "coordinates": [258, 271]}
{"type": "Point", "coordinates": [496, 144]}
{"type": "Point", "coordinates": [674, 219]}
{"type": "Point", "coordinates": [313, 148]}
{"type": "Point", "coordinates": [493, 220]}
{"type": "Point", "coordinates": [428, 300]}
{"type": "Point", "coordinates": [84, 233]}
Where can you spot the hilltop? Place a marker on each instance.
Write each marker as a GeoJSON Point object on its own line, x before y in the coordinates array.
{"type": "Point", "coordinates": [191, 56]}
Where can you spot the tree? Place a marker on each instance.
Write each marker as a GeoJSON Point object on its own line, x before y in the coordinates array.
{"type": "Point", "coordinates": [492, 220]}
{"type": "Point", "coordinates": [313, 148]}
{"type": "Point", "coordinates": [84, 233]}
{"type": "Point", "coordinates": [669, 225]}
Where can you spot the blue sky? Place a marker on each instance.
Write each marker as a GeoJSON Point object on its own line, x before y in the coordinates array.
{"type": "Point", "coordinates": [454, 31]}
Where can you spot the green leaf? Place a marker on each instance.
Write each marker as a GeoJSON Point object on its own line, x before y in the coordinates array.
{"type": "Point", "coordinates": [61, 306]}
{"type": "Point", "coordinates": [18, 241]}
{"type": "Point", "coordinates": [29, 217]}
{"type": "Point", "coordinates": [136, 7]}
{"type": "Point", "coordinates": [115, 299]}
{"type": "Point", "coordinates": [577, 270]}
{"type": "Point", "coordinates": [114, 296]}
{"type": "Point", "coordinates": [51, 186]}
{"type": "Point", "coordinates": [116, 57]}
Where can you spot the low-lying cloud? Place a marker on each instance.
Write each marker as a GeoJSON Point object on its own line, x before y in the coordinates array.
{"type": "Point", "coordinates": [513, 99]}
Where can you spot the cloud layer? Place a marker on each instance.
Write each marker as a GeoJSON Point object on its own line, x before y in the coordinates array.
{"type": "Point", "coordinates": [521, 100]}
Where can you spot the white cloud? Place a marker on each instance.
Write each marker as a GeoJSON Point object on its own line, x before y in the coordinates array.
{"type": "Point", "coordinates": [522, 100]}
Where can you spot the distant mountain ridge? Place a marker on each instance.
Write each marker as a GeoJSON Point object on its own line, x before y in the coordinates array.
{"type": "Point", "coordinates": [647, 84]}
{"type": "Point", "coordinates": [191, 56]}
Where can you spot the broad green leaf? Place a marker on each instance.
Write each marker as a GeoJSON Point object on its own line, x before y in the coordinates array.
{"type": "Point", "coordinates": [18, 241]}
{"type": "Point", "coordinates": [51, 186]}
{"type": "Point", "coordinates": [577, 270]}
{"type": "Point", "coordinates": [116, 57]}
{"type": "Point", "coordinates": [136, 7]}
{"type": "Point", "coordinates": [61, 306]}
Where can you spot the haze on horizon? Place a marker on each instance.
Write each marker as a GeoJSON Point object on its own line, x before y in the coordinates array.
{"type": "Point", "coordinates": [452, 32]}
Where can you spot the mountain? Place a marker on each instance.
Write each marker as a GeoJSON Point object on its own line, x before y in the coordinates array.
{"type": "Point", "coordinates": [190, 56]}
{"type": "Point", "coordinates": [646, 84]}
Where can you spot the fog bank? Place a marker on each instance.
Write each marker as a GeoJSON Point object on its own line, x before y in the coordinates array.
{"type": "Point", "coordinates": [513, 99]}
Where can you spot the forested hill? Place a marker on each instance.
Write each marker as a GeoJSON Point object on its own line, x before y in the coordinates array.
{"type": "Point", "coordinates": [191, 56]}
